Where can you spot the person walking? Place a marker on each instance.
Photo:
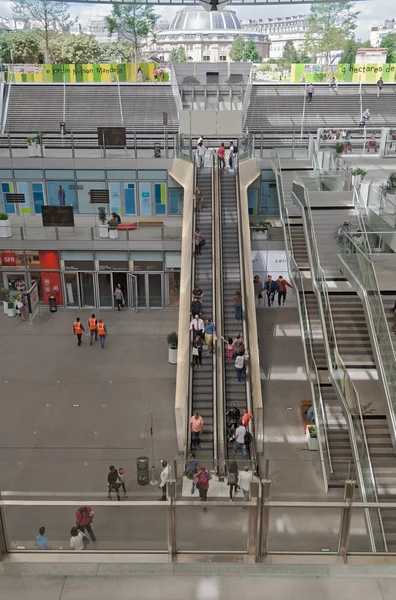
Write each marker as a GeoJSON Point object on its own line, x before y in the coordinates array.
{"type": "Point", "coordinates": [119, 297]}
{"type": "Point", "coordinates": [270, 290]}
{"type": "Point", "coordinates": [231, 157]}
{"type": "Point", "coordinates": [238, 344]}
{"type": "Point", "coordinates": [221, 157]}
{"type": "Point", "coordinates": [245, 479]}
{"type": "Point", "coordinates": [196, 426]}
{"type": "Point", "coordinates": [77, 539]}
{"type": "Point", "coordinates": [380, 85]}
{"type": "Point", "coordinates": [41, 541]}
{"type": "Point", "coordinates": [310, 92]}
{"type": "Point", "coordinates": [202, 484]}
{"type": "Point", "coordinates": [192, 467]}
{"type": "Point", "coordinates": [139, 75]}
{"type": "Point", "coordinates": [246, 418]}
{"type": "Point", "coordinates": [281, 288]}
{"type": "Point", "coordinates": [258, 289]}
{"type": "Point", "coordinates": [237, 300]}
{"type": "Point", "coordinates": [201, 154]}
{"type": "Point", "coordinates": [232, 420]}
{"type": "Point", "coordinates": [210, 331]}
{"type": "Point", "coordinates": [232, 479]}
{"type": "Point", "coordinates": [197, 351]}
{"type": "Point", "coordinates": [93, 329]}
{"type": "Point", "coordinates": [165, 478]}
{"type": "Point", "coordinates": [230, 347]}
{"type": "Point", "coordinates": [102, 332]}
{"type": "Point", "coordinates": [197, 241]}
{"type": "Point", "coordinates": [122, 480]}
{"type": "Point", "coordinates": [113, 483]}
{"type": "Point", "coordinates": [78, 329]}
{"type": "Point", "coordinates": [333, 84]}
{"type": "Point", "coordinates": [84, 518]}
{"type": "Point", "coordinates": [197, 325]}
{"type": "Point", "coordinates": [240, 365]}
{"type": "Point", "coordinates": [198, 197]}
{"type": "Point", "coordinates": [155, 74]}
{"type": "Point", "coordinates": [20, 308]}
{"type": "Point", "coordinates": [196, 307]}
{"type": "Point", "coordinates": [197, 292]}
{"type": "Point", "coordinates": [239, 442]}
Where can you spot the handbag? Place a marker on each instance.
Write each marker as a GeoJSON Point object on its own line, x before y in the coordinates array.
{"type": "Point", "coordinates": [195, 352]}
{"type": "Point", "coordinates": [202, 242]}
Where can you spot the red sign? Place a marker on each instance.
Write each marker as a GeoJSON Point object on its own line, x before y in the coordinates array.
{"type": "Point", "coordinates": [8, 259]}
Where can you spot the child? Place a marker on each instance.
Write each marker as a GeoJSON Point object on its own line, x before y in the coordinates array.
{"type": "Point", "coordinates": [230, 350]}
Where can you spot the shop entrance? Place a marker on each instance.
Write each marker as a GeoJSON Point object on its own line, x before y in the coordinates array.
{"type": "Point", "coordinates": [107, 283]}
{"type": "Point", "coordinates": [79, 289]}
{"type": "Point", "coordinates": [149, 290]}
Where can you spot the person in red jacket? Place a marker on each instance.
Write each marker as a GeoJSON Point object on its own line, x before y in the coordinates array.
{"type": "Point", "coordinates": [281, 288]}
{"type": "Point", "coordinates": [84, 518]}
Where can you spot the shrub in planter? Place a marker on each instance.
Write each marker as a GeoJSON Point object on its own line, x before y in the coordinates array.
{"type": "Point", "coordinates": [359, 171]}
{"type": "Point", "coordinates": [103, 226]}
{"type": "Point", "coordinates": [113, 231]}
{"type": "Point", "coordinates": [339, 148]}
{"type": "Point", "coordinates": [260, 229]}
{"type": "Point", "coordinates": [312, 431]}
{"type": "Point", "coordinates": [5, 227]}
{"type": "Point", "coordinates": [390, 186]}
{"type": "Point", "coordinates": [3, 217]}
{"type": "Point", "coordinates": [172, 343]}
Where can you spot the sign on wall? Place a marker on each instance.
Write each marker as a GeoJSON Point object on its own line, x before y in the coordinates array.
{"type": "Point", "coordinates": [355, 73]}
{"type": "Point", "coordinates": [81, 73]}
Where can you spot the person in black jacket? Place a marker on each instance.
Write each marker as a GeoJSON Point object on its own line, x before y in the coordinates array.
{"type": "Point", "coordinates": [112, 480]}
{"type": "Point", "coordinates": [196, 307]}
{"type": "Point", "coordinates": [232, 417]}
{"type": "Point", "coordinates": [270, 289]}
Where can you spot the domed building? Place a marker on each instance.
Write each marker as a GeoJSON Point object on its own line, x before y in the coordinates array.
{"type": "Point", "coordinates": [206, 36]}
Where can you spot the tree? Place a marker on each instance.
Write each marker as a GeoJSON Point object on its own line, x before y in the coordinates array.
{"type": "Point", "coordinates": [27, 47]}
{"type": "Point", "coordinates": [350, 48]}
{"type": "Point", "coordinates": [44, 14]}
{"type": "Point", "coordinates": [290, 55]}
{"type": "Point", "coordinates": [5, 47]}
{"type": "Point", "coordinates": [251, 52]}
{"type": "Point", "coordinates": [328, 26]}
{"type": "Point", "coordinates": [82, 48]}
{"type": "Point", "coordinates": [117, 52]}
{"type": "Point", "coordinates": [132, 22]}
{"type": "Point", "coordinates": [389, 42]}
{"type": "Point", "coordinates": [178, 54]}
{"type": "Point", "coordinates": [237, 52]}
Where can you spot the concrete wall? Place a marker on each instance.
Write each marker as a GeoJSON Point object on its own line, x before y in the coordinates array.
{"type": "Point", "coordinates": [182, 172]}
{"type": "Point", "coordinates": [211, 122]}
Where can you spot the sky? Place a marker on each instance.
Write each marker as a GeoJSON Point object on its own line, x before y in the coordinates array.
{"type": "Point", "coordinates": [372, 12]}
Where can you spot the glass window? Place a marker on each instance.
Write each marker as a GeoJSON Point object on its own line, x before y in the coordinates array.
{"type": "Point", "coordinates": [38, 197]}
{"type": "Point", "coordinates": [32, 259]}
{"type": "Point", "coordinates": [23, 188]}
{"type": "Point", "coordinates": [269, 198]}
{"type": "Point", "coordinates": [84, 204]}
{"type": "Point", "coordinates": [59, 174]}
{"type": "Point", "coordinates": [172, 260]}
{"type": "Point", "coordinates": [111, 255]}
{"type": "Point", "coordinates": [7, 187]}
{"type": "Point", "coordinates": [62, 193]}
{"type": "Point", "coordinates": [76, 255]}
{"type": "Point", "coordinates": [90, 174]}
{"type": "Point", "coordinates": [115, 197]}
{"type": "Point", "coordinates": [217, 20]}
{"type": "Point", "coordinates": [160, 198]}
{"type": "Point", "coordinates": [130, 198]}
{"type": "Point", "coordinates": [206, 57]}
{"type": "Point", "coordinates": [176, 198]}
{"type": "Point", "coordinates": [28, 173]}
{"type": "Point", "coordinates": [145, 199]}
{"type": "Point", "coordinates": [6, 173]}
{"type": "Point", "coordinates": [153, 175]}
{"type": "Point", "coordinates": [136, 255]}
{"type": "Point", "coordinates": [223, 57]}
{"type": "Point", "coordinates": [121, 174]}
{"type": "Point", "coordinates": [252, 201]}
{"type": "Point", "coordinates": [173, 288]}
{"type": "Point", "coordinates": [268, 175]}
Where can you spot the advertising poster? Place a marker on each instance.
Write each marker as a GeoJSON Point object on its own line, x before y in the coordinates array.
{"type": "Point", "coordinates": [81, 73]}
{"type": "Point", "coordinates": [272, 262]}
{"type": "Point", "coordinates": [62, 193]}
{"type": "Point", "coordinates": [355, 73]}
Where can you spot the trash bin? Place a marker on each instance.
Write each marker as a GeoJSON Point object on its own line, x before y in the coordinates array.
{"type": "Point", "coordinates": [157, 151]}
{"type": "Point", "coordinates": [52, 304]}
{"type": "Point", "coordinates": [142, 470]}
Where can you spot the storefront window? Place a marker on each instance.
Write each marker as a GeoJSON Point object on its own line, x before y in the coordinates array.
{"type": "Point", "coordinates": [160, 198]}
{"type": "Point", "coordinates": [38, 197]}
{"type": "Point", "coordinates": [11, 259]}
{"type": "Point", "coordinates": [24, 207]}
{"type": "Point", "coordinates": [7, 188]}
{"type": "Point", "coordinates": [173, 288]}
{"type": "Point", "coordinates": [130, 198]}
{"type": "Point", "coordinates": [145, 199]}
{"type": "Point", "coordinates": [252, 201]}
{"type": "Point", "coordinates": [32, 259]}
{"type": "Point", "coordinates": [62, 193]}
{"type": "Point", "coordinates": [176, 199]}
{"type": "Point", "coordinates": [115, 198]}
{"type": "Point", "coordinates": [84, 200]}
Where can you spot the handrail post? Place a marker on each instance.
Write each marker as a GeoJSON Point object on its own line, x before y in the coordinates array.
{"type": "Point", "coordinates": [171, 522]}
{"type": "Point", "coordinates": [263, 520]}
{"type": "Point", "coordinates": [346, 518]}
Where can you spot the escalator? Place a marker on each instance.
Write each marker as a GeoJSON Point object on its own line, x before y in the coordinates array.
{"type": "Point", "coordinates": [202, 379]}
{"type": "Point", "coordinates": [234, 390]}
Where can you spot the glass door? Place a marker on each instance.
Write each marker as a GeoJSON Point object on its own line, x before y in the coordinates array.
{"type": "Point", "coordinates": [87, 288]}
{"type": "Point", "coordinates": [132, 292]}
{"type": "Point", "coordinates": [71, 290]}
{"type": "Point", "coordinates": [141, 289]}
{"type": "Point", "coordinates": [154, 291]}
{"type": "Point", "coordinates": [105, 290]}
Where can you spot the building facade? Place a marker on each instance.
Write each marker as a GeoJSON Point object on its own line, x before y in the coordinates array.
{"type": "Point", "coordinates": [279, 31]}
{"type": "Point", "coordinates": [378, 32]}
{"type": "Point", "coordinates": [206, 36]}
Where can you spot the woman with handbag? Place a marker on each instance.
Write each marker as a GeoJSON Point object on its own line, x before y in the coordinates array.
{"type": "Point", "coordinates": [198, 241]}
{"type": "Point", "coordinates": [197, 351]}
{"type": "Point", "coordinates": [202, 484]}
{"type": "Point", "coordinates": [232, 480]}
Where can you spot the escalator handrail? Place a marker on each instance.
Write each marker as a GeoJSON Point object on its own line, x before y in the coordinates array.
{"type": "Point", "coordinates": [216, 441]}
{"type": "Point", "coordinates": [190, 357]}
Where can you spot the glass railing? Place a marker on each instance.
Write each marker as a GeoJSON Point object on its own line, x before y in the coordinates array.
{"type": "Point", "coordinates": [383, 204]}
{"type": "Point", "coordinates": [340, 375]}
{"type": "Point", "coordinates": [65, 234]}
{"type": "Point", "coordinates": [332, 172]}
{"type": "Point", "coordinates": [312, 371]}
{"type": "Point", "coordinates": [361, 269]}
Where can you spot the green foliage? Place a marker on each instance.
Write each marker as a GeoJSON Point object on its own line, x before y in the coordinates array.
{"type": "Point", "coordinates": [133, 22]}
{"type": "Point", "coordinates": [237, 52]}
{"type": "Point", "coordinates": [260, 225]}
{"type": "Point", "coordinates": [290, 55]}
{"type": "Point", "coordinates": [328, 26]}
{"type": "Point", "coordinates": [389, 42]}
{"type": "Point", "coordinates": [102, 214]}
{"type": "Point", "coordinates": [339, 147]}
{"type": "Point", "coordinates": [312, 431]}
{"type": "Point", "coordinates": [10, 305]}
{"type": "Point", "coordinates": [5, 294]}
{"type": "Point", "coordinates": [5, 46]}
{"type": "Point", "coordinates": [391, 183]}
{"type": "Point", "coordinates": [44, 13]}
{"type": "Point", "coordinates": [350, 49]}
{"type": "Point", "coordinates": [3, 217]}
{"type": "Point", "coordinates": [112, 224]}
{"type": "Point", "coordinates": [117, 51]}
{"type": "Point", "coordinates": [359, 171]}
{"type": "Point", "coordinates": [178, 54]}
{"type": "Point", "coordinates": [173, 340]}
{"type": "Point", "coordinates": [82, 48]}
{"type": "Point", "coordinates": [251, 52]}
{"type": "Point", "coordinates": [34, 139]}
{"type": "Point", "coordinates": [26, 47]}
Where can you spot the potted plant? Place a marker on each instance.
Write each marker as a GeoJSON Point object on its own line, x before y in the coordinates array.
{"type": "Point", "coordinates": [34, 142]}
{"type": "Point", "coordinates": [5, 226]}
{"type": "Point", "coordinates": [103, 226]}
{"type": "Point", "coordinates": [172, 343]}
{"type": "Point", "coordinates": [5, 295]}
{"type": "Point", "coordinates": [113, 231]}
{"type": "Point", "coordinates": [260, 229]}
{"type": "Point", "coordinates": [11, 310]}
{"type": "Point", "coordinates": [339, 148]}
{"type": "Point", "coordinates": [311, 437]}
{"type": "Point", "coordinates": [390, 186]}
{"type": "Point", "coordinates": [358, 175]}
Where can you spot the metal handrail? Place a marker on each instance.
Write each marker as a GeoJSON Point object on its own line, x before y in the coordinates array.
{"type": "Point", "coordinates": [335, 362]}
{"type": "Point", "coordinates": [217, 445]}
{"type": "Point", "coordinates": [190, 356]}
{"type": "Point", "coordinates": [361, 211]}
{"type": "Point", "coordinates": [284, 217]}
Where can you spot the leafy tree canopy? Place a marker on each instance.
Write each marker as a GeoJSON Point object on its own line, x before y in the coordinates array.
{"type": "Point", "coordinates": [82, 48]}
{"type": "Point", "coordinates": [133, 22]}
{"type": "Point", "coordinates": [251, 52]}
{"type": "Point", "coordinates": [118, 51]}
{"type": "Point", "coordinates": [178, 54]}
{"type": "Point", "coordinates": [237, 51]}
{"type": "Point", "coordinates": [389, 42]}
{"type": "Point", "coordinates": [290, 55]}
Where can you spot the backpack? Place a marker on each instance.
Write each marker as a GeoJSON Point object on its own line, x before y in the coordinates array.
{"type": "Point", "coordinates": [231, 479]}
{"type": "Point", "coordinates": [235, 149]}
{"type": "Point", "coordinates": [248, 438]}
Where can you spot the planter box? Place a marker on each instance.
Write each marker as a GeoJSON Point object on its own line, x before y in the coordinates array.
{"type": "Point", "coordinates": [5, 229]}
{"type": "Point", "coordinates": [5, 307]}
{"type": "Point", "coordinates": [172, 356]}
{"type": "Point", "coordinates": [313, 443]}
{"type": "Point", "coordinates": [113, 234]}
{"type": "Point", "coordinates": [34, 150]}
{"type": "Point", "coordinates": [259, 236]}
{"type": "Point", "coordinates": [356, 180]}
{"type": "Point", "coordinates": [103, 230]}
{"type": "Point", "coordinates": [11, 312]}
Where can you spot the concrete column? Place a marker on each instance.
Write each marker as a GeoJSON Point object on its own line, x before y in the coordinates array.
{"type": "Point", "coordinates": [346, 520]}
{"type": "Point", "coordinates": [2, 534]}
{"type": "Point", "coordinates": [253, 518]}
{"type": "Point", "coordinates": [263, 524]}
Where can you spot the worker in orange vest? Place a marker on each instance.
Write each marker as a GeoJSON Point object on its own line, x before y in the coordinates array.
{"type": "Point", "coordinates": [102, 331]}
{"type": "Point", "coordinates": [93, 329]}
{"type": "Point", "coordinates": [78, 329]}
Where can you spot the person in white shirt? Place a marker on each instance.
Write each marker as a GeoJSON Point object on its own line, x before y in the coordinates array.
{"type": "Point", "coordinates": [199, 140]}
{"type": "Point", "coordinates": [77, 539]}
{"type": "Point", "coordinates": [239, 438]}
{"type": "Point", "coordinates": [244, 480]}
{"type": "Point", "coordinates": [165, 477]}
{"type": "Point", "coordinates": [240, 365]}
{"type": "Point", "coordinates": [201, 154]}
{"type": "Point", "coordinates": [198, 325]}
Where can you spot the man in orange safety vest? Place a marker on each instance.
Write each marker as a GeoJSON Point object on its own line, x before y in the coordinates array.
{"type": "Point", "coordinates": [78, 329]}
{"type": "Point", "coordinates": [93, 329]}
{"type": "Point", "coordinates": [102, 331]}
